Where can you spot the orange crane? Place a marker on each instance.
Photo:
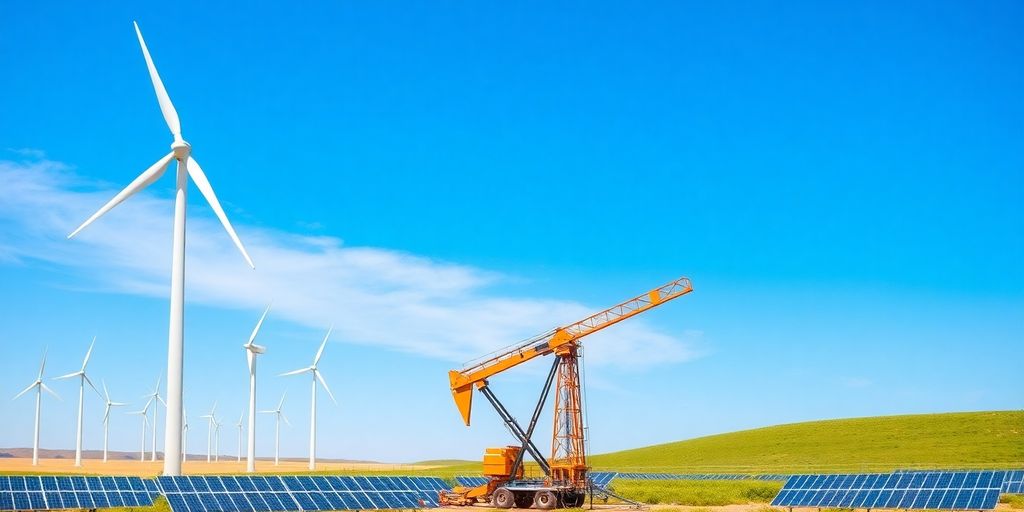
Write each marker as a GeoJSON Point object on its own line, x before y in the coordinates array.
{"type": "Point", "coordinates": [566, 473]}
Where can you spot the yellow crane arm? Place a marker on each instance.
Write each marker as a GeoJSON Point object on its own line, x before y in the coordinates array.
{"type": "Point", "coordinates": [558, 341]}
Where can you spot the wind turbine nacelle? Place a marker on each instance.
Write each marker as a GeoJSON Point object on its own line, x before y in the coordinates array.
{"type": "Point", "coordinates": [181, 149]}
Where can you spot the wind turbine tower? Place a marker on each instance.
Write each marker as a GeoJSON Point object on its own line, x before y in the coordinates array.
{"type": "Point", "coordinates": [39, 386]}
{"type": "Point", "coordinates": [187, 167]}
{"type": "Point", "coordinates": [315, 373]}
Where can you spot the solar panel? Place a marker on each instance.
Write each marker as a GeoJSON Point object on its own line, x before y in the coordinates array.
{"type": "Point", "coordinates": [1014, 482]}
{"type": "Point", "coordinates": [601, 478]}
{"type": "Point", "coordinates": [298, 493]}
{"type": "Point", "coordinates": [74, 492]}
{"type": "Point", "coordinates": [967, 490]}
{"type": "Point", "coordinates": [471, 481]}
{"type": "Point", "coordinates": [700, 476]}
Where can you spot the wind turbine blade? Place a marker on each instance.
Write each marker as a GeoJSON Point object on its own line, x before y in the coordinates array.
{"type": "Point", "coordinates": [295, 372]}
{"type": "Point", "coordinates": [161, 400]}
{"type": "Point", "coordinates": [281, 404]}
{"type": "Point", "coordinates": [203, 184]}
{"type": "Point", "coordinates": [42, 365]}
{"type": "Point", "coordinates": [68, 376]}
{"type": "Point", "coordinates": [285, 418]}
{"type": "Point", "coordinates": [324, 382]}
{"type": "Point", "coordinates": [88, 354]}
{"type": "Point", "coordinates": [26, 390]}
{"type": "Point", "coordinates": [86, 377]}
{"type": "Point", "coordinates": [106, 393]}
{"type": "Point", "coordinates": [106, 413]}
{"type": "Point", "coordinates": [50, 391]}
{"type": "Point", "coordinates": [322, 345]}
{"type": "Point", "coordinates": [148, 176]}
{"type": "Point", "coordinates": [117, 404]}
{"type": "Point", "coordinates": [252, 337]}
{"type": "Point", "coordinates": [170, 115]}
{"type": "Point", "coordinates": [267, 412]}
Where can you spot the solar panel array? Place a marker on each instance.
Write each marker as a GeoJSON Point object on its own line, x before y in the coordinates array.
{"type": "Point", "coordinates": [74, 492]}
{"type": "Point", "coordinates": [944, 490]}
{"type": "Point", "coordinates": [601, 478]}
{"type": "Point", "coordinates": [698, 476]}
{"type": "Point", "coordinates": [470, 481]}
{"type": "Point", "coordinates": [295, 493]}
{"type": "Point", "coordinates": [1014, 482]}
{"type": "Point", "coordinates": [256, 494]}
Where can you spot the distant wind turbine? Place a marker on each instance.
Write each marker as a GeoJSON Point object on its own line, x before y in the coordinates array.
{"type": "Point", "coordinates": [145, 424]}
{"type": "Point", "coordinates": [211, 419]}
{"type": "Point", "coordinates": [155, 398]}
{"type": "Point", "coordinates": [278, 416]}
{"type": "Point", "coordinates": [216, 439]}
{"type": "Point", "coordinates": [106, 418]}
{"type": "Point", "coordinates": [251, 350]}
{"type": "Point", "coordinates": [83, 379]}
{"type": "Point", "coordinates": [187, 167]}
{"type": "Point", "coordinates": [312, 369]}
{"type": "Point", "coordinates": [39, 387]}
{"type": "Point", "coordinates": [240, 427]}
{"type": "Point", "coordinates": [184, 435]}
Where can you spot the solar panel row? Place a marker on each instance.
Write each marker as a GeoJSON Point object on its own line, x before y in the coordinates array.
{"type": "Point", "coordinates": [1014, 482]}
{"type": "Point", "coordinates": [298, 493]}
{"type": "Point", "coordinates": [698, 476]}
{"type": "Point", "coordinates": [74, 492]}
{"type": "Point", "coordinates": [977, 490]}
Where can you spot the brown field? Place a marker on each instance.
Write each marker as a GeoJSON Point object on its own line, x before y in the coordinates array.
{"type": "Point", "coordinates": [190, 467]}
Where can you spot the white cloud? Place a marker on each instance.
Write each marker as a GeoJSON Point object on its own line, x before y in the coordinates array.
{"type": "Point", "coordinates": [374, 296]}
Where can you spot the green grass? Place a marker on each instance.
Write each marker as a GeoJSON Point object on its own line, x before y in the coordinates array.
{"type": "Point", "coordinates": [699, 493]}
{"type": "Point", "coordinates": [951, 440]}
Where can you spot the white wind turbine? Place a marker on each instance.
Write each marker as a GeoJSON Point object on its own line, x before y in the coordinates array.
{"type": "Point", "coordinates": [186, 167]}
{"type": "Point", "coordinates": [312, 369]}
{"type": "Point", "coordinates": [251, 350]}
{"type": "Point", "coordinates": [278, 416]}
{"type": "Point", "coordinates": [156, 400]}
{"type": "Point", "coordinates": [145, 424]}
{"type": "Point", "coordinates": [216, 439]}
{"type": "Point", "coordinates": [184, 434]}
{"type": "Point", "coordinates": [39, 387]}
{"type": "Point", "coordinates": [83, 378]}
{"type": "Point", "coordinates": [239, 425]}
{"type": "Point", "coordinates": [106, 418]}
{"type": "Point", "coordinates": [211, 419]}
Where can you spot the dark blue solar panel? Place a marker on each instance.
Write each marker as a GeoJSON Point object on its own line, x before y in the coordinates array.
{"type": "Point", "coordinates": [977, 490]}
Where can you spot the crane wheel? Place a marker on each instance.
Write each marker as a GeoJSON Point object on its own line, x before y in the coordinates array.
{"type": "Point", "coordinates": [503, 498]}
{"type": "Point", "coordinates": [524, 499]}
{"type": "Point", "coordinates": [545, 500]}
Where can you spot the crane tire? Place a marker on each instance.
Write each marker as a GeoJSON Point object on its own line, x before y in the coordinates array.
{"type": "Point", "coordinates": [503, 498]}
{"type": "Point", "coordinates": [545, 500]}
{"type": "Point", "coordinates": [524, 499]}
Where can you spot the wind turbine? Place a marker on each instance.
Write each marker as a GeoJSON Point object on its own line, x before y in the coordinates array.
{"type": "Point", "coordinates": [145, 424]}
{"type": "Point", "coordinates": [312, 408]}
{"type": "Point", "coordinates": [39, 387]}
{"type": "Point", "coordinates": [184, 435]}
{"type": "Point", "coordinates": [216, 439]}
{"type": "Point", "coordinates": [239, 425]}
{"type": "Point", "coordinates": [106, 418]}
{"type": "Point", "coordinates": [251, 350]}
{"type": "Point", "coordinates": [278, 416]}
{"type": "Point", "coordinates": [209, 431]}
{"type": "Point", "coordinates": [186, 167]}
{"type": "Point", "coordinates": [83, 378]}
{"type": "Point", "coordinates": [154, 397]}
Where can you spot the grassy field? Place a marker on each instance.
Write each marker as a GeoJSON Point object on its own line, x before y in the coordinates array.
{"type": "Point", "coordinates": [953, 440]}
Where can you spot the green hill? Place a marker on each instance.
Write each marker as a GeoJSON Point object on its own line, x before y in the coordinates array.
{"type": "Point", "coordinates": [951, 440]}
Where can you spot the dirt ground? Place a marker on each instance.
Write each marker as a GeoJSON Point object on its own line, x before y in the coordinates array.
{"type": "Point", "coordinates": [190, 467]}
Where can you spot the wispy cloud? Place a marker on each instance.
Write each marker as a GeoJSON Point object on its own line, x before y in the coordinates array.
{"type": "Point", "coordinates": [374, 296]}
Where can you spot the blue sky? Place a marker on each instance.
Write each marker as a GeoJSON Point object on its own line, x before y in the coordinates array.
{"type": "Point", "coordinates": [843, 184]}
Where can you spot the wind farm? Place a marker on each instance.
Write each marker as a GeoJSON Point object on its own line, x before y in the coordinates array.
{"type": "Point", "coordinates": [677, 257]}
